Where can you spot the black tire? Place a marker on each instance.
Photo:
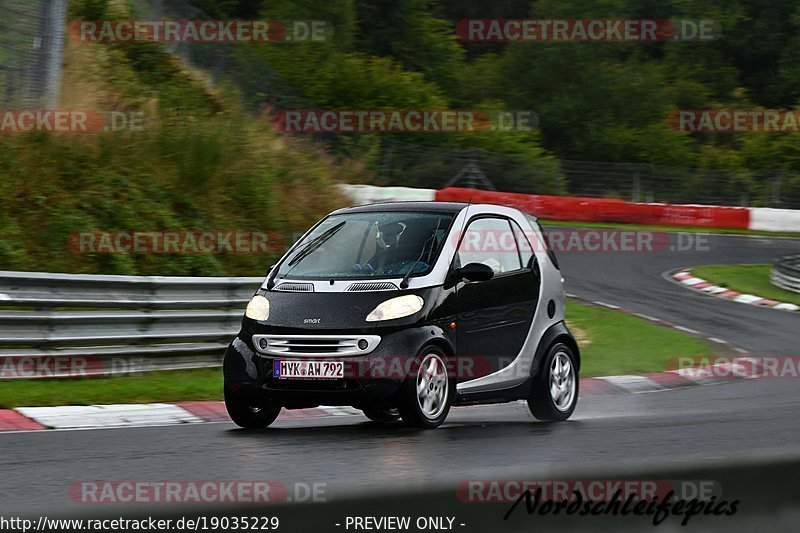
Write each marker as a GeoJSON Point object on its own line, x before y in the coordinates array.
{"type": "Point", "coordinates": [409, 405]}
{"type": "Point", "coordinates": [248, 414]}
{"type": "Point", "coordinates": [541, 402]}
{"type": "Point", "coordinates": [382, 415]}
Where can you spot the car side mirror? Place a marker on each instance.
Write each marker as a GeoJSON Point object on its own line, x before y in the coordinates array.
{"type": "Point", "coordinates": [475, 272]}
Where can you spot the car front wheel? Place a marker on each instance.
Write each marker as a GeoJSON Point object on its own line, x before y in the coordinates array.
{"type": "Point", "coordinates": [428, 392]}
{"type": "Point", "coordinates": [555, 388]}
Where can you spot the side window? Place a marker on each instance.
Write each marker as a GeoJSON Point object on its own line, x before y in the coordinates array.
{"type": "Point", "coordinates": [550, 253]}
{"type": "Point", "coordinates": [490, 241]}
{"type": "Point", "coordinates": [524, 244]}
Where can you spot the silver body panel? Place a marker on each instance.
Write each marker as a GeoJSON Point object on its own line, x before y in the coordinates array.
{"type": "Point", "coordinates": [295, 345]}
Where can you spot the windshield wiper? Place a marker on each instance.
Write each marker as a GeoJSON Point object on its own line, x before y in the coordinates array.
{"type": "Point", "coordinates": [315, 243]}
{"type": "Point", "coordinates": [310, 246]}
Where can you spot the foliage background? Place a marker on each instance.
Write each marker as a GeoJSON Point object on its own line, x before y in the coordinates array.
{"type": "Point", "coordinates": [209, 158]}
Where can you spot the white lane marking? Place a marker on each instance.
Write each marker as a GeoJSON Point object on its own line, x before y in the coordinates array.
{"type": "Point", "coordinates": [4, 296]}
{"type": "Point", "coordinates": [633, 383]}
{"type": "Point", "coordinates": [610, 306]}
{"type": "Point", "coordinates": [687, 330]}
{"type": "Point", "coordinates": [117, 415]}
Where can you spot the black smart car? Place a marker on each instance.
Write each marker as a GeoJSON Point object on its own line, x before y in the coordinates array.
{"type": "Point", "coordinates": [404, 310]}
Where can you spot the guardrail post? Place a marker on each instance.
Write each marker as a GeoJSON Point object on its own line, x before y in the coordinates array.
{"type": "Point", "coordinates": [776, 189]}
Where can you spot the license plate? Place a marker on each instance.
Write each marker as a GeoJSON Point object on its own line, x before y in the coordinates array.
{"type": "Point", "coordinates": [308, 369]}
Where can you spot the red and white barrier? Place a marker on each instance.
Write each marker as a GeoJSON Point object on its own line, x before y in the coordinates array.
{"type": "Point", "coordinates": [605, 209]}
{"type": "Point", "coordinates": [579, 209]}
{"type": "Point", "coordinates": [768, 219]}
{"type": "Point", "coordinates": [371, 194]}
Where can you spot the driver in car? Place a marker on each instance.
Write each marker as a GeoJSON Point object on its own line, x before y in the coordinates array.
{"type": "Point", "coordinates": [397, 249]}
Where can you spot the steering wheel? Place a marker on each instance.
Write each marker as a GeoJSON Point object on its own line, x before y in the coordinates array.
{"type": "Point", "coordinates": [422, 266]}
{"type": "Point", "coordinates": [366, 267]}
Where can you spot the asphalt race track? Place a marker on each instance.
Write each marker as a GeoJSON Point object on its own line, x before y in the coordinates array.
{"type": "Point", "coordinates": [750, 420]}
{"type": "Point", "coordinates": [633, 280]}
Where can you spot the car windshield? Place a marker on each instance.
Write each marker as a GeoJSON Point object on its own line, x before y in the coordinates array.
{"type": "Point", "coordinates": [369, 245]}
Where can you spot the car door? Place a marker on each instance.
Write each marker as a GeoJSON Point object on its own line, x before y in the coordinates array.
{"type": "Point", "coordinates": [494, 316]}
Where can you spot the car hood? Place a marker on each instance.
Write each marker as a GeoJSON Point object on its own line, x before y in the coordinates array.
{"type": "Point", "coordinates": [324, 311]}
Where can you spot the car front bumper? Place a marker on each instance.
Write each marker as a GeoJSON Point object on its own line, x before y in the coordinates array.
{"type": "Point", "coordinates": [370, 379]}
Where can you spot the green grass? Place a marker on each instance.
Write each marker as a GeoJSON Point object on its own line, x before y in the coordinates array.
{"type": "Point", "coordinates": [611, 343]}
{"type": "Point", "coordinates": [674, 229]}
{"type": "Point", "coordinates": [614, 343]}
{"type": "Point", "coordinates": [171, 386]}
{"type": "Point", "coordinates": [748, 279]}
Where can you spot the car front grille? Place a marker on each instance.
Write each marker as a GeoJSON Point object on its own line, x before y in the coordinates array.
{"type": "Point", "coordinates": [315, 345]}
{"type": "Point", "coordinates": [295, 287]}
{"type": "Point", "coordinates": [363, 287]}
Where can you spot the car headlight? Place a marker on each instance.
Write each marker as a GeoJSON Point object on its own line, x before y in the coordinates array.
{"type": "Point", "coordinates": [258, 308]}
{"type": "Point", "coordinates": [396, 308]}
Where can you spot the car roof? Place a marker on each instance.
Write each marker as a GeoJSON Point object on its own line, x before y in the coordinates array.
{"type": "Point", "coordinates": [423, 206]}
{"type": "Point", "coordinates": [439, 207]}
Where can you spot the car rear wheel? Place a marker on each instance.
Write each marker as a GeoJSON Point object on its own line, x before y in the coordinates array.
{"type": "Point", "coordinates": [382, 415]}
{"type": "Point", "coordinates": [250, 414]}
{"type": "Point", "coordinates": [554, 394]}
{"type": "Point", "coordinates": [427, 394]}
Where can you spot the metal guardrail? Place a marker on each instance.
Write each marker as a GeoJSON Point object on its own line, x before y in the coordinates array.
{"type": "Point", "coordinates": [786, 273]}
{"type": "Point", "coordinates": [120, 324]}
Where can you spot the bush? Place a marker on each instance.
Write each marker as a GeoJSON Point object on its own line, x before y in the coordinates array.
{"type": "Point", "coordinates": [88, 9]}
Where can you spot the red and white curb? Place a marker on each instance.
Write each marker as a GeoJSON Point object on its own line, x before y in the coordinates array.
{"type": "Point", "coordinates": [727, 345]}
{"type": "Point", "coordinates": [73, 417]}
{"type": "Point", "coordinates": [136, 415]}
{"type": "Point", "coordinates": [687, 279]}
